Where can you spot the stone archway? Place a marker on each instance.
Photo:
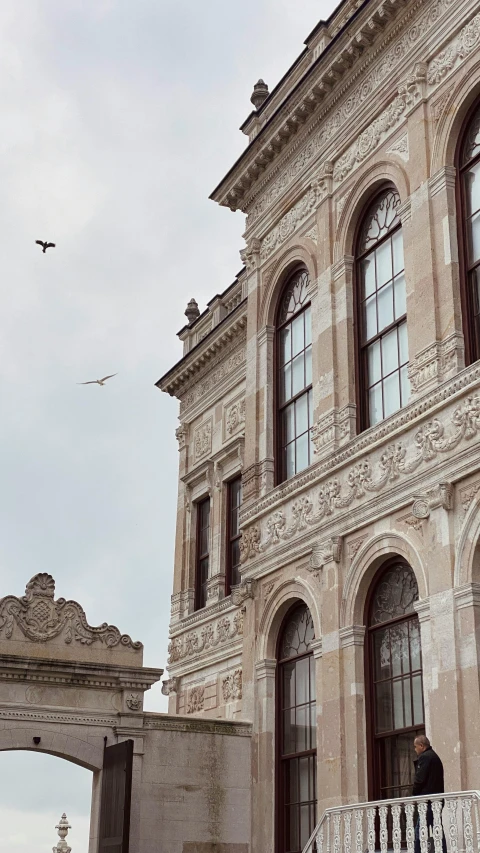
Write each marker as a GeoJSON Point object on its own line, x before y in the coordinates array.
{"type": "Point", "coordinates": [71, 690]}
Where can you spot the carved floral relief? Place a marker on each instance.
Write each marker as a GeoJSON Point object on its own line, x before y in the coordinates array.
{"type": "Point", "coordinates": [202, 440]}
{"type": "Point", "coordinates": [232, 686]}
{"type": "Point", "coordinates": [193, 643]}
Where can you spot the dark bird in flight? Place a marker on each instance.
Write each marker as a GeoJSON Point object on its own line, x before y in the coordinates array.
{"type": "Point", "coordinates": [97, 381]}
{"type": "Point", "coordinates": [45, 245]}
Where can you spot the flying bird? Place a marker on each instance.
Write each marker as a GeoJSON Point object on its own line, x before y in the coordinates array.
{"type": "Point", "coordinates": [97, 381]}
{"type": "Point", "coordinates": [45, 245]}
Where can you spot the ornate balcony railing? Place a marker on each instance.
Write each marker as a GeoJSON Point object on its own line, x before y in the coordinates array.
{"type": "Point", "coordinates": [389, 825]}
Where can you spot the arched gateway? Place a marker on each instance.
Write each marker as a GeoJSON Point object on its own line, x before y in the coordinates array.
{"type": "Point", "coordinates": [75, 691]}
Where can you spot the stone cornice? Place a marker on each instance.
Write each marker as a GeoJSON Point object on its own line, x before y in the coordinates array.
{"type": "Point", "coordinates": [202, 725]}
{"type": "Point", "coordinates": [40, 715]}
{"type": "Point", "coordinates": [206, 354]}
{"type": "Point", "coordinates": [64, 673]}
{"type": "Point", "coordinates": [327, 80]}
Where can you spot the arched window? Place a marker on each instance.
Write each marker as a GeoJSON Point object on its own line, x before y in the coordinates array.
{"type": "Point", "coordinates": [382, 312]}
{"type": "Point", "coordinates": [469, 172]}
{"type": "Point", "coordinates": [296, 733]}
{"type": "Point", "coordinates": [294, 360]}
{"type": "Point", "coordinates": [394, 674]}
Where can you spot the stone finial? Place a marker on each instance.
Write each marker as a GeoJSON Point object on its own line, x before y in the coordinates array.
{"type": "Point", "coordinates": [192, 311]}
{"type": "Point", "coordinates": [260, 94]}
{"type": "Point", "coordinates": [62, 827]}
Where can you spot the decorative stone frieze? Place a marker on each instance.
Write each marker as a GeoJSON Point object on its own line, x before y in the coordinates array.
{"type": "Point", "coordinates": [195, 699]}
{"type": "Point", "coordinates": [289, 223]}
{"type": "Point", "coordinates": [467, 40]}
{"type": "Point", "coordinates": [400, 147]}
{"type": "Point", "coordinates": [323, 553]}
{"type": "Point", "coordinates": [194, 643]}
{"type": "Point", "coordinates": [370, 139]}
{"type": "Point", "coordinates": [367, 476]}
{"type": "Point", "coordinates": [232, 686]}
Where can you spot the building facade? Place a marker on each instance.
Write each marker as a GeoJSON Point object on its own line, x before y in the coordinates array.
{"type": "Point", "coordinates": [327, 574]}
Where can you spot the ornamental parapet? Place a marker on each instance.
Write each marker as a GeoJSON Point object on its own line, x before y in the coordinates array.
{"type": "Point", "coordinates": [214, 631]}
{"type": "Point", "coordinates": [434, 438]}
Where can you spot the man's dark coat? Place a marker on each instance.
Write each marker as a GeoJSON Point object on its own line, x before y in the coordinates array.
{"type": "Point", "coordinates": [428, 774]}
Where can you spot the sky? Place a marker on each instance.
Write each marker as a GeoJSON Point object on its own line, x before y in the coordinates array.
{"type": "Point", "coordinates": [119, 117]}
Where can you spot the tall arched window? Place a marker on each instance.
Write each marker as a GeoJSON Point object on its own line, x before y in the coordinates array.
{"type": "Point", "coordinates": [469, 172]}
{"type": "Point", "coordinates": [294, 361]}
{"type": "Point", "coordinates": [394, 673]}
{"type": "Point", "coordinates": [382, 312]}
{"type": "Point", "coordinates": [296, 733]}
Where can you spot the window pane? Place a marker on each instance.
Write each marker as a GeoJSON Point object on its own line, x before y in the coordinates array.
{"type": "Point", "coordinates": [472, 178]}
{"type": "Point", "coordinates": [407, 690]}
{"type": "Point", "coordinates": [384, 263]}
{"type": "Point", "coordinates": [304, 825]}
{"type": "Point", "coordinates": [298, 337]}
{"type": "Point", "coordinates": [381, 647]}
{"type": "Point", "coordinates": [375, 404]}
{"type": "Point", "coordinates": [384, 722]}
{"type": "Point", "coordinates": [308, 326]}
{"type": "Point", "coordinates": [391, 394]}
{"type": "Point", "coordinates": [301, 414]}
{"type": "Point", "coordinates": [298, 374]}
{"type": "Point", "coordinates": [313, 726]}
{"type": "Point", "coordinates": [286, 383]}
{"type": "Point", "coordinates": [370, 317]}
{"type": "Point", "coordinates": [235, 559]}
{"type": "Point", "coordinates": [399, 649]}
{"type": "Point", "coordinates": [400, 296]}
{"type": "Point", "coordinates": [417, 699]}
{"type": "Point", "coordinates": [475, 238]}
{"type": "Point", "coordinates": [308, 366]}
{"type": "Point", "coordinates": [390, 352]}
{"type": "Point", "coordinates": [312, 679]}
{"type": "Point", "coordinates": [302, 452]}
{"type": "Point", "coordinates": [404, 385]}
{"type": "Point", "coordinates": [290, 459]}
{"type": "Point", "coordinates": [385, 306]}
{"type": "Point", "coordinates": [415, 646]}
{"type": "Point", "coordinates": [303, 727]}
{"type": "Point", "coordinates": [291, 779]}
{"type": "Point", "coordinates": [289, 685]}
{"type": "Point", "coordinates": [368, 275]}
{"type": "Point", "coordinates": [204, 537]}
{"type": "Point", "coordinates": [302, 679]}
{"type": "Point", "coordinates": [285, 345]}
{"type": "Point", "coordinates": [374, 363]}
{"type": "Point", "coordinates": [398, 705]}
{"type": "Point", "coordinates": [289, 423]}
{"type": "Point", "coordinates": [397, 247]}
{"type": "Point", "coordinates": [403, 343]}
{"type": "Point", "coordinates": [288, 732]}
{"type": "Point", "coordinates": [293, 829]}
{"type": "Point", "coordinates": [304, 778]}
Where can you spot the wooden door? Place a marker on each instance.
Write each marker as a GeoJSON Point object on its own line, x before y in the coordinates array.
{"type": "Point", "coordinates": [116, 797]}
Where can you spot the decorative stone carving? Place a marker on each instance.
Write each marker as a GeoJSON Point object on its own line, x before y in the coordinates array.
{"type": "Point", "coordinates": [134, 702]}
{"type": "Point", "coordinates": [232, 686]}
{"type": "Point", "coordinates": [354, 546]}
{"type": "Point", "coordinates": [235, 416]}
{"type": "Point", "coordinates": [202, 440]}
{"type": "Point", "coordinates": [335, 494]}
{"type": "Point", "coordinates": [62, 828]}
{"type": "Point", "coordinates": [268, 588]}
{"type": "Point", "coordinates": [196, 700]}
{"type": "Point", "coordinates": [289, 223]}
{"type": "Point", "coordinates": [323, 183]}
{"type": "Point", "coordinates": [370, 139]}
{"type": "Point", "coordinates": [215, 377]}
{"type": "Point", "coordinates": [467, 40]}
{"type": "Point", "coordinates": [413, 89]}
{"type": "Point", "coordinates": [400, 147]}
{"type": "Point", "coordinates": [323, 553]}
{"type": "Point", "coordinates": [244, 590]}
{"type": "Point", "coordinates": [194, 643]}
{"type": "Point", "coordinates": [170, 685]}
{"type": "Point", "coordinates": [250, 255]}
{"type": "Point", "coordinates": [434, 363]}
{"type": "Point", "coordinates": [438, 106]}
{"type": "Point", "coordinates": [41, 619]}
{"type": "Point", "coordinates": [468, 494]}
{"type": "Point", "coordinates": [312, 234]}
{"type": "Point", "coordinates": [181, 434]}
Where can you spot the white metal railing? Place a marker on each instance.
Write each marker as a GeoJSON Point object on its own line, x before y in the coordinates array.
{"type": "Point", "coordinates": [389, 825]}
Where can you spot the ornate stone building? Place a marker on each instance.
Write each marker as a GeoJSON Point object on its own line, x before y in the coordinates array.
{"type": "Point", "coordinates": [327, 572]}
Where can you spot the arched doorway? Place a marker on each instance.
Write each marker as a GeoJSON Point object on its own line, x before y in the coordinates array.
{"type": "Point", "coordinates": [296, 732]}
{"type": "Point", "coordinates": [394, 698]}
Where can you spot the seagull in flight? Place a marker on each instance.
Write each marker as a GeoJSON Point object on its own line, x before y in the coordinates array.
{"type": "Point", "coordinates": [45, 245]}
{"type": "Point", "coordinates": [97, 381]}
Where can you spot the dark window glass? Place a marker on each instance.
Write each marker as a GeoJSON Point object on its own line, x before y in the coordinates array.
{"type": "Point", "coordinates": [470, 182]}
{"type": "Point", "coordinates": [202, 555]}
{"type": "Point", "coordinates": [294, 360]}
{"type": "Point", "coordinates": [234, 502]}
{"type": "Point", "coordinates": [383, 311]}
{"type": "Point", "coordinates": [396, 688]}
{"type": "Point", "coordinates": [297, 733]}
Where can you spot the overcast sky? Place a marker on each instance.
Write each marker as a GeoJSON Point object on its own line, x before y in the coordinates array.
{"type": "Point", "coordinates": [119, 117]}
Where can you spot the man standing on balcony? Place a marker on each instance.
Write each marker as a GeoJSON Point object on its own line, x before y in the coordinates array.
{"type": "Point", "coordinates": [428, 780]}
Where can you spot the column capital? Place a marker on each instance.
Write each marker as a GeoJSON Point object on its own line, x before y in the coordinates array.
{"type": "Point", "coordinates": [352, 635]}
{"type": "Point", "coordinates": [265, 668]}
{"type": "Point", "coordinates": [467, 595]}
